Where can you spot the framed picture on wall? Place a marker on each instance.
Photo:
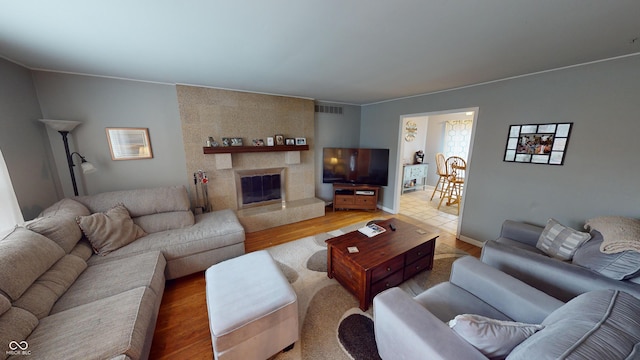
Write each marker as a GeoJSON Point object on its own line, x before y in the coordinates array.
{"type": "Point", "coordinates": [538, 143]}
{"type": "Point", "coordinates": [129, 143]}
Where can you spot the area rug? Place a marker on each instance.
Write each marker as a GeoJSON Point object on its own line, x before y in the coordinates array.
{"type": "Point", "coordinates": [332, 324]}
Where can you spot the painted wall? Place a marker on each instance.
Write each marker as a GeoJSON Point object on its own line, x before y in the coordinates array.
{"type": "Point", "coordinates": [24, 143]}
{"type": "Point", "coordinates": [410, 148]}
{"type": "Point", "coordinates": [334, 130]}
{"type": "Point", "coordinates": [104, 102]}
{"type": "Point", "coordinates": [602, 167]}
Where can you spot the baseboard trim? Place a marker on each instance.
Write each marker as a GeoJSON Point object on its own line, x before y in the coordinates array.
{"type": "Point", "coordinates": [472, 241]}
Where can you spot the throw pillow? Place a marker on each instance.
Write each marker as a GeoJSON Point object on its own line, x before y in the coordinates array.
{"type": "Point", "coordinates": [493, 338]}
{"type": "Point", "coordinates": [111, 230]}
{"type": "Point", "coordinates": [619, 266]}
{"type": "Point", "coordinates": [559, 241]}
{"type": "Point", "coordinates": [619, 233]}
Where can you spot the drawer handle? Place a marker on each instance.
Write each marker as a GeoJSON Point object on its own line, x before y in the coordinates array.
{"type": "Point", "coordinates": [418, 267]}
{"type": "Point", "coordinates": [387, 285]}
{"type": "Point", "coordinates": [388, 268]}
{"type": "Point", "coordinates": [419, 253]}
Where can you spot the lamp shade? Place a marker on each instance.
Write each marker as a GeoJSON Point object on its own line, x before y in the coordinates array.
{"type": "Point", "coordinates": [87, 167]}
{"type": "Point", "coordinates": [61, 125]}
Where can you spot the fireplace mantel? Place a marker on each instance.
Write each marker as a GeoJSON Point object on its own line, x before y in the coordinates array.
{"type": "Point", "coordinates": [247, 149]}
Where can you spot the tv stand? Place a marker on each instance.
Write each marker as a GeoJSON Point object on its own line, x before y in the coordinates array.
{"type": "Point", "coordinates": [351, 196]}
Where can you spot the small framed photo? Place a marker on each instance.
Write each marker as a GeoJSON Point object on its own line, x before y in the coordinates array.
{"type": "Point", "coordinates": [279, 139]}
{"type": "Point", "coordinates": [301, 141]}
{"type": "Point", "coordinates": [270, 141]}
{"type": "Point", "coordinates": [289, 141]}
{"type": "Point", "coordinates": [258, 142]}
{"type": "Point", "coordinates": [226, 141]}
{"type": "Point", "coordinates": [129, 143]}
{"type": "Point", "coordinates": [236, 141]}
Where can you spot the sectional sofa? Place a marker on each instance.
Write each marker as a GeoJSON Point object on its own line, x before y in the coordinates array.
{"type": "Point", "coordinates": [85, 279]}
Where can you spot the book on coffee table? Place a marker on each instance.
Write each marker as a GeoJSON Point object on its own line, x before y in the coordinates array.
{"type": "Point", "coordinates": [372, 230]}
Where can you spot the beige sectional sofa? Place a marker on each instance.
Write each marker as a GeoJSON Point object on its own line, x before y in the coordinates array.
{"type": "Point", "coordinates": [58, 299]}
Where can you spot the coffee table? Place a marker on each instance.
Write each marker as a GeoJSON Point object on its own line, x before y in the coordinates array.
{"type": "Point", "coordinates": [382, 261]}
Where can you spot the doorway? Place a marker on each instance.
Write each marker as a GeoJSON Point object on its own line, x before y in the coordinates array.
{"type": "Point", "coordinates": [449, 132]}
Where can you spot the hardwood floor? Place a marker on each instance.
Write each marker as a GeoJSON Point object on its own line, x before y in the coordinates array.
{"type": "Point", "coordinates": [182, 329]}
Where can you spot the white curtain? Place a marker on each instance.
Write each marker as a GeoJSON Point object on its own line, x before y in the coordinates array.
{"type": "Point", "coordinates": [457, 138]}
{"type": "Point", "coordinates": [10, 214]}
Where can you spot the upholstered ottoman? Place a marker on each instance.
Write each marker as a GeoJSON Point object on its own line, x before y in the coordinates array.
{"type": "Point", "coordinates": [253, 310]}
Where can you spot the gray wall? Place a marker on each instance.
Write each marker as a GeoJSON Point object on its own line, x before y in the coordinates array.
{"type": "Point", "coordinates": [103, 102]}
{"type": "Point", "coordinates": [333, 130]}
{"type": "Point", "coordinates": [24, 143]}
{"type": "Point", "coordinates": [602, 167]}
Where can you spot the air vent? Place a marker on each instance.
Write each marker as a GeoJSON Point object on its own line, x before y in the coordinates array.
{"type": "Point", "coordinates": [329, 109]}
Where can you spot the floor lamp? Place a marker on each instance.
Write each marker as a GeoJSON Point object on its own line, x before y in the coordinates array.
{"type": "Point", "coordinates": [64, 127]}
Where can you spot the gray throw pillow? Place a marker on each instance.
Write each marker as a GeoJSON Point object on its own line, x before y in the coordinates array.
{"type": "Point", "coordinates": [619, 266]}
{"type": "Point", "coordinates": [493, 338]}
{"type": "Point", "coordinates": [559, 241]}
{"type": "Point", "coordinates": [111, 230]}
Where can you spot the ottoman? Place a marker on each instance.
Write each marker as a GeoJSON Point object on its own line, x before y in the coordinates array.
{"type": "Point", "coordinates": [253, 310]}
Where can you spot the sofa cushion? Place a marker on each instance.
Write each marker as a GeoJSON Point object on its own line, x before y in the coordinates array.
{"type": "Point", "coordinates": [559, 241]}
{"type": "Point", "coordinates": [5, 304]}
{"type": "Point", "coordinates": [619, 233]}
{"type": "Point", "coordinates": [600, 324]}
{"type": "Point", "coordinates": [102, 329]}
{"type": "Point", "coordinates": [15, 325]}
{"type": "Point", "coordinates": [140, 202]}
{"type": "Point", "coordinates": [111, 230]}
{"type": "Point", "coordinates": [493, 338]}
{"type": "Point", "coordinates": [619, 266]}
{"type": "Point", "coordinates": [24, 256]}
{"type": "Point", "coordinates": [83, 250]}
{"type": "Point", "coordinates": [212, 230]}
{"type": "Point", "coordinates": [113, 277]}
{"type": "Point", "coordinates": [165, 221]}
{"type": "Point", "coordinates": [40, 297]}
{"type": "Point", "coordinates": [58, 223]}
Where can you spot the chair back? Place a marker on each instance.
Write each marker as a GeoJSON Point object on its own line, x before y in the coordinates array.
{"type": "Point", "coordinates": [456, 168]}
{"type": "Point", "coordinates": [441, 164]}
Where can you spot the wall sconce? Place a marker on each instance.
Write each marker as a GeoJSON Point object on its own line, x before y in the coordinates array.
{"type": "Point", "coordinates": [64, 127]}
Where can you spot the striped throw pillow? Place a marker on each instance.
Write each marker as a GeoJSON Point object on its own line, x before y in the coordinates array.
{"type": "Point", "coordinates": [559, 241]}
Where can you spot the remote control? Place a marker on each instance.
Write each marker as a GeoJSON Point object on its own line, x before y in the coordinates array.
{"type": "Point", "coordinates": [392, 227]}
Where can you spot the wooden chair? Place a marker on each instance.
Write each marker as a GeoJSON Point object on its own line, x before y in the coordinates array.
{"type": "Point", "coordinates": [456, 168]}
{"type": "Point", "coordinates": [441, 169]}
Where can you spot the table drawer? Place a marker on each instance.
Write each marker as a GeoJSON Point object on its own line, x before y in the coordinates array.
{"type": "Point", "coordinates": [421, 251]}
{"type": "Point", "coordinates": [344, 200]}
{"type": "Point", "coordinates": [414, 268]}
{"type": "Point", "coordinates": [390, 281]}
{"type": "Point", "coordinates": [364, 200]}
{"type": "Point", "coordinates": [387, 268]}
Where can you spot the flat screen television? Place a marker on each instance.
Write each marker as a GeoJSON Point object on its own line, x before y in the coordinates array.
{"type": "Point", "coordinates": [355, 166]}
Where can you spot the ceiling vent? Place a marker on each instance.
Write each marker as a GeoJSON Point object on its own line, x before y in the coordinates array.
{"type": "Point", "coordinates": [329, 109]}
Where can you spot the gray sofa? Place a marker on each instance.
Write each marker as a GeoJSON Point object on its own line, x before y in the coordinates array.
{"type": "Point", "coordinates": [587, 327]}
{"type": "Point", "coordinates": [60, 300]}
{"type": "Point", "coordinates": [515, 253]}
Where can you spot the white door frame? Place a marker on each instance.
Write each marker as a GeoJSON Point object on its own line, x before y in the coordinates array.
{"type": "Point", "coordinates": [400, 151]}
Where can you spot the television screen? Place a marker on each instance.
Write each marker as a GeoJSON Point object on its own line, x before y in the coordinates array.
{"type": "Point", "coordinates": [356, 166]}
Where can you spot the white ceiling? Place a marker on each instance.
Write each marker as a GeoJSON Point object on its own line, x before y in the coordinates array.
{"type": "Point", "coordinates": [350, 51]}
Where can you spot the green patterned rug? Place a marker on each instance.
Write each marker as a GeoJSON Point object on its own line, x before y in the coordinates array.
{"type": "Point", "coordinates": [332, 324]}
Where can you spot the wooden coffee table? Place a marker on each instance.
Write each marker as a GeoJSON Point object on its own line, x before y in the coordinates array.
{"type": "Point", "coordinates": [382, 261]}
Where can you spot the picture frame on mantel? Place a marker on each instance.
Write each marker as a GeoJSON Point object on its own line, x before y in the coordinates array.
{"type": "Point", "coordinates": [129, 143]}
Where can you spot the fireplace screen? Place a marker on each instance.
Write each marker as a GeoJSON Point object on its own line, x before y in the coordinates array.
{"type": "Point", "coordinates": [260, 187]}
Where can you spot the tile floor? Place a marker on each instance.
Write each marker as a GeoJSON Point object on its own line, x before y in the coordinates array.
{"type": "Point", "coordinates": [416, 204]}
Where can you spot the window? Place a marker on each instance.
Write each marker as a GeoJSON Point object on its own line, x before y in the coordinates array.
{"type": "Point", "coordinates": [10, 214]}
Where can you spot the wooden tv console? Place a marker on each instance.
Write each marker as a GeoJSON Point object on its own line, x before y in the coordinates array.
{"type": "Point", "coordinates": [350, 196]}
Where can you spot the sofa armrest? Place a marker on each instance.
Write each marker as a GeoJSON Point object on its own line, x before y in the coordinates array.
{"type": "Point", "coordinates": [519, 231]}
{"type": "Point", "coordinates": [406, 330]}
{"type": "Point", "coordinates": [559, 279]}
{"type": "Point", "coordinates": [512, 297]}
